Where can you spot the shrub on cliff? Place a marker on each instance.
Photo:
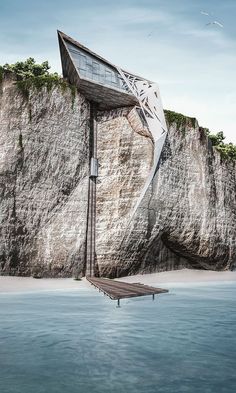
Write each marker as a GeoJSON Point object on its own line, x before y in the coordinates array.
{"type": "Point", "coordinates": [180, 120]}
{"type": "Point", "coordinates": [33, 75]}
{"type": "Point", "coordinates": [28, 68]}
{"type": "Point", "coordinates": [227, 150]}
{"type": "Point", "coordinates": [216, 139]}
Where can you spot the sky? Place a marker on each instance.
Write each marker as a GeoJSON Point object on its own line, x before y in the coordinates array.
{"type": "Point", "coordinates": [166, 41]}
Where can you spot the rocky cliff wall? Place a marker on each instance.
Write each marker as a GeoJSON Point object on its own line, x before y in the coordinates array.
{"type": "Point", "coordinates": [44, 144]}
{"type": "Point", "coordinates": [186, 219]}
{"type": "Point", "coordinates": [188, 215]}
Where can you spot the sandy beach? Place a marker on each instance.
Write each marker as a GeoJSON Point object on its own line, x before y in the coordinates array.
{"type": "Point", "coordinates": [184, 276]}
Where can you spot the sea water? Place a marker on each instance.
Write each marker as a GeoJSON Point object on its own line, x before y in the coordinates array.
{"type": "Point", "coordinates": [78, 341]}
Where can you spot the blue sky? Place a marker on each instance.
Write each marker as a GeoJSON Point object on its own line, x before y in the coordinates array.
{"type": "Point", "coordinates": [194, 64]}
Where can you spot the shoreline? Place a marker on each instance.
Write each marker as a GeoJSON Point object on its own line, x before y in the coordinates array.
{"type": "Point", "coordinates": [183, 276]}
{"type": "Point", "coordinates": [12, 284]}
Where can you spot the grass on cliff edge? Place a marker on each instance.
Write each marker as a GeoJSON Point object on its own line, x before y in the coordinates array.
{"type": "Point", "coordinates": [33, 75]}
{"type": "Point", "coordinates": [227, 150]}
{"type": "Point", "coordinates": [180, 120]}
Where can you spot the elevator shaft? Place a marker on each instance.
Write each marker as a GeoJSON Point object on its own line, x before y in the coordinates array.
{"type": "Point", "coordinates": [91, 216]}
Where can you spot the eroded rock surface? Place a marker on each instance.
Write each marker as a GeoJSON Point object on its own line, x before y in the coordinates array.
{"type": "Point", "coordinates": [186, 219]}
{"type": "Point", "coordinates": [44, 148]}
{"type": "Point", "coordinates": [188, 216]}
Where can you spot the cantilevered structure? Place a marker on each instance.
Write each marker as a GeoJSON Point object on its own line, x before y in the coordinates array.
{"type": "Point", "coordinates": [107, 86]}
{"type": "Point", "coordinates": [97, 79]}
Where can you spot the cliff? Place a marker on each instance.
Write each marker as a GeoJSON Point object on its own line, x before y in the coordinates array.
{"type": "Point", "coordinates": [186, 219]}
{"type": "Point", "coordinates": [43, 166]}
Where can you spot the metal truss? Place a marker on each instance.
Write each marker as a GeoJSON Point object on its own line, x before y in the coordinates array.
{"type": "Point", "coordinates": [149, 99]}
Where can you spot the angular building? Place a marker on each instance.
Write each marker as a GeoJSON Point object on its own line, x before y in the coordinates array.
{"type": "Point", "coordinates": [107, 86]}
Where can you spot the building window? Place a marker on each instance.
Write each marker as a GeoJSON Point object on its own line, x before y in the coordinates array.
{"type": "Point", "coordinates": [108, 76]}
{"type": "Point", "coordinates": [95, 68]}
{"type": "Point", "coordinates": [82, 62]}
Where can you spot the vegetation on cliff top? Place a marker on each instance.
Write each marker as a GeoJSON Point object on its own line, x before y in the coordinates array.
{"type": "Point", "coordinates": [227, 150]}
{"type": "Point", "coordinates": [180, 120]}
{"type": "Point", "coordinates": [33, 75]}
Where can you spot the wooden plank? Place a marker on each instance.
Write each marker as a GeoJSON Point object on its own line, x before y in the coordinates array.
{"type": "Point", "coordinates": [120, 290]}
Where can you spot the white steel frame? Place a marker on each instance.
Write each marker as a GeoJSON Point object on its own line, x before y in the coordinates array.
{"type": "Point", "coordinates": [149, 98]}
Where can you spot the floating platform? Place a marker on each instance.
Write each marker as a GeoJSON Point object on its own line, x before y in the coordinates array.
{"type": "Point", "coordinates": [117, 290]}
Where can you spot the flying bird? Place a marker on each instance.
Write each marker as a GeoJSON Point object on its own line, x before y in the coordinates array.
{"type": "Point", "coordinates": [215, 23]}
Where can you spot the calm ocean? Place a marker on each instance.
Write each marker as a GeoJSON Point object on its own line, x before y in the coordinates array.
{"type": "Point", "coordinates": [79, 342]}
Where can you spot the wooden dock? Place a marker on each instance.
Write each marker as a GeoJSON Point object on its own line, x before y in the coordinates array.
{"type": "Point", "coordinates": [117, 290]}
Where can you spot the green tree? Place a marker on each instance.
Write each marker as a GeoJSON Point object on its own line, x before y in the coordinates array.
{"type": "Point", "coordinates": [227, 150]}
{"type": "Point", "coordinates": [28, 68]}
{"type": "Point", "coordinates": [31, 75]}
{"type": "Point", "coordinates": [217, 138]}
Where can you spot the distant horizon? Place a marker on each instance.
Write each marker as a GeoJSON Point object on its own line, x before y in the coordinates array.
{"type": "Point", "coordinates": [164, 41]}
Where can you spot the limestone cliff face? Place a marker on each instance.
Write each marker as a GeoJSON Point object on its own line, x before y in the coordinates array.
{"type": "Point", "coordinates": [188, 215]}
{"type": "Point", "coordinates": [44, 144]}
{"type": "Point", "coordinates": [186, 219]}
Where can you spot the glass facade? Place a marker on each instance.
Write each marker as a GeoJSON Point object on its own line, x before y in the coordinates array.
{"type": "Point", "coordinates": [91, 68]}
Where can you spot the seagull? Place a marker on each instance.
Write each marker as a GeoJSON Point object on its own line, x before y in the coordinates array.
{"type": "Point", "coordinates": [215, 23]}
{"type": "Point", "coordinates": [205, 13]}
